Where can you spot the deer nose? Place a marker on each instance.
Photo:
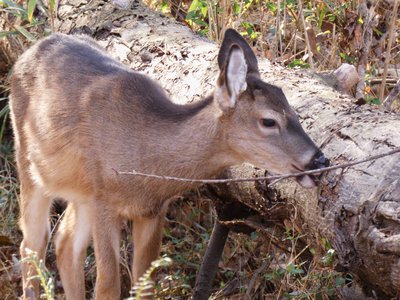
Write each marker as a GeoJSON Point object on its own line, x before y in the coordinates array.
{"type": "Point", "coordinates": [320, 161]}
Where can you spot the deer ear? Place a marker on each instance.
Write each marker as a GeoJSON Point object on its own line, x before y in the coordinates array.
{"type": "Point", "coordinates": [232, 80]}
{"type": "Point", "coordinates": [232, 37]}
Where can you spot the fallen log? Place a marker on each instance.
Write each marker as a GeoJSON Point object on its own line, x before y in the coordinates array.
{"type": "Point", "coordinates": [356, 209]}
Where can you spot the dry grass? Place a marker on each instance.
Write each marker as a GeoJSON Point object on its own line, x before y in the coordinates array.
{"type": "Point", "coordinates": [9, 234]}
{"type": "Point", "coordinates": [317, 34]}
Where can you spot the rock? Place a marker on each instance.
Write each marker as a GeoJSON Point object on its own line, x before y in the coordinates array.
{"type": "Point", "coordinates": [346, 76]}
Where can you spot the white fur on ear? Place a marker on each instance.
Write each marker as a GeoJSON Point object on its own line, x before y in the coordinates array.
{"type": "Point", "coordinates": [236, 74]}
{"type": "Point", "coordinates": [233, 80]}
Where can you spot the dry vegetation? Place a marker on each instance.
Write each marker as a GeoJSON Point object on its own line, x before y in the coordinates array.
{"type": "Point", "coordinates": [320, 35]}
{"type": "Point", "coordinates": [252, 268]}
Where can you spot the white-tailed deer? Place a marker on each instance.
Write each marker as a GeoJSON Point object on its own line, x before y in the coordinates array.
{"type": "Point", "coordinates": [78, 115]}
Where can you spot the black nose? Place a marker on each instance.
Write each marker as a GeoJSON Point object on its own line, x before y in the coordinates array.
{"type": "Point", "coordinates": [320, 161]}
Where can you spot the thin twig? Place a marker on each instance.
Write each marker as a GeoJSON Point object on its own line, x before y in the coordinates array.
{"type": "Point", "coordinates": [389, 49]}
{"type": "Point", "coordinates": [310, 54]}
{"type": "Point", "coordinates": [268, 178]}
{"type": "Point", "coordinates": [278, 31]}
{"type": "Point", "coordinates": [261, 228]}
{"type": "Point", "coordinates": [389, 80]}
{"type": "Point", "coordinates": [387, 103]}
{"type": "Point", "coordinates": [252, 282]}
{"type": "Point", "coordinates": [364, 49]}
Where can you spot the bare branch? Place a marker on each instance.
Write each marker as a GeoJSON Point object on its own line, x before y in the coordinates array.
{"type": "Point", "coordinates": [389, 48]}
{"type": "Point", "coordinates": [310, 54]}
{"type": "Point", "coordinates": [261, 228]}
{"type": "Point", "coordinates": [367, 17]}
{"type": "Point", "coordinates": [392, 95]}
{"type": "Point", "coordinates": [276, 178]}
{"type": "Point", "coordinates": [252, 282]}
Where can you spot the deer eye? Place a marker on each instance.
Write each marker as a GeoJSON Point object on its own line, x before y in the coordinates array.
{"type": "Point", "coordinates": [268, 122]}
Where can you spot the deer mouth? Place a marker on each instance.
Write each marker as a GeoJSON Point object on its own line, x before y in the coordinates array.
{"type": "Point", "coordinates": [308, 181]}
{"type": "Point", "coordinates": [319, 161]}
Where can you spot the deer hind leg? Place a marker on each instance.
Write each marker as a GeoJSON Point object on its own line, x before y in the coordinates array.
{"type": "Point", "coordinates": [147, 234]}
{"type": "Point", "coordinates": [71, 242]}
{"type": "Point", "coordinates": [106, 235]}
{"type": "Point", "coordinates": [35, 226]}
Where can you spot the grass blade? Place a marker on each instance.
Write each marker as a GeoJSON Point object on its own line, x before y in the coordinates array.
{"type": "Point", "coordinates": [6, 33]}
{"type": "Point", "coordinates": [3, 114]}
{"type": "Point", "coordinates": [31, 9]}
{"type": "Point", "coordinates": [9, 3]}
{"type": "Point", "coordinates": [25, 33]}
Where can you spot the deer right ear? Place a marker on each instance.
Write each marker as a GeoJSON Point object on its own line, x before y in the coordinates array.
{"type": "Point", "coordinates": [232, 80]}
{"type": "Point", "coordinates": [232, 37]}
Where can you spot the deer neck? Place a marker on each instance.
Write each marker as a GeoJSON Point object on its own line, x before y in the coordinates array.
{"type": "Point", "coordinates": [193, 147]}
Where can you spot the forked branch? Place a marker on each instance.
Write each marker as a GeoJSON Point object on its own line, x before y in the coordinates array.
{"type": "Point", "coordinates": [275, 178]}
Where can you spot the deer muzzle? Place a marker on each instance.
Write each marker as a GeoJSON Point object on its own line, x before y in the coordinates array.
{"type": "Point", "coordinates": [317, 162]}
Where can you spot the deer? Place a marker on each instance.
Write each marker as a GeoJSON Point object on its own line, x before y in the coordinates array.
{"type": "Point", "coordinates": [78, 115]}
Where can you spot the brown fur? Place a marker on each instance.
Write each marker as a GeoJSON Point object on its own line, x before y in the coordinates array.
{"type": "Point", "coordinates": [78, 114]}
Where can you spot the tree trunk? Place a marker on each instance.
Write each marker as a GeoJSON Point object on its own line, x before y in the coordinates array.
{"type": "Point", "coordinates": [356, 209]}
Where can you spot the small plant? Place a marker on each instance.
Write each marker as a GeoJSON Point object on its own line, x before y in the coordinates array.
{"type": "Point", "coordinates": [46, 280]}
{"type": "Point", "coordinates": [22, 21]}
{"type": "Point", "coordinates": [298, 63]}
{"type": "Point", "coordinates": [250, 30]}
{"type": "Point", "coordinates": [3, 118]}
{"type": "Point", "coordinates": [329, 258]}
{"type": "Point", "coordinates": [145, 286]}
{"type": "Point", "coordinates": [197, 13]}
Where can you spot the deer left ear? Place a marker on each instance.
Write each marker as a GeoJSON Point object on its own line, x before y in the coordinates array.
{"type": "Point", "coordinates": [232, 80]}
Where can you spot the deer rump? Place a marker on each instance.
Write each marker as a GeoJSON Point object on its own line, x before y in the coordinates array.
{"type": "Point", "coordinates": [78, 115]}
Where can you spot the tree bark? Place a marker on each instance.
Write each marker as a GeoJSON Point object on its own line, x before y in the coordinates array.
{"type": "Point", "coordinates": [356, 209]}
